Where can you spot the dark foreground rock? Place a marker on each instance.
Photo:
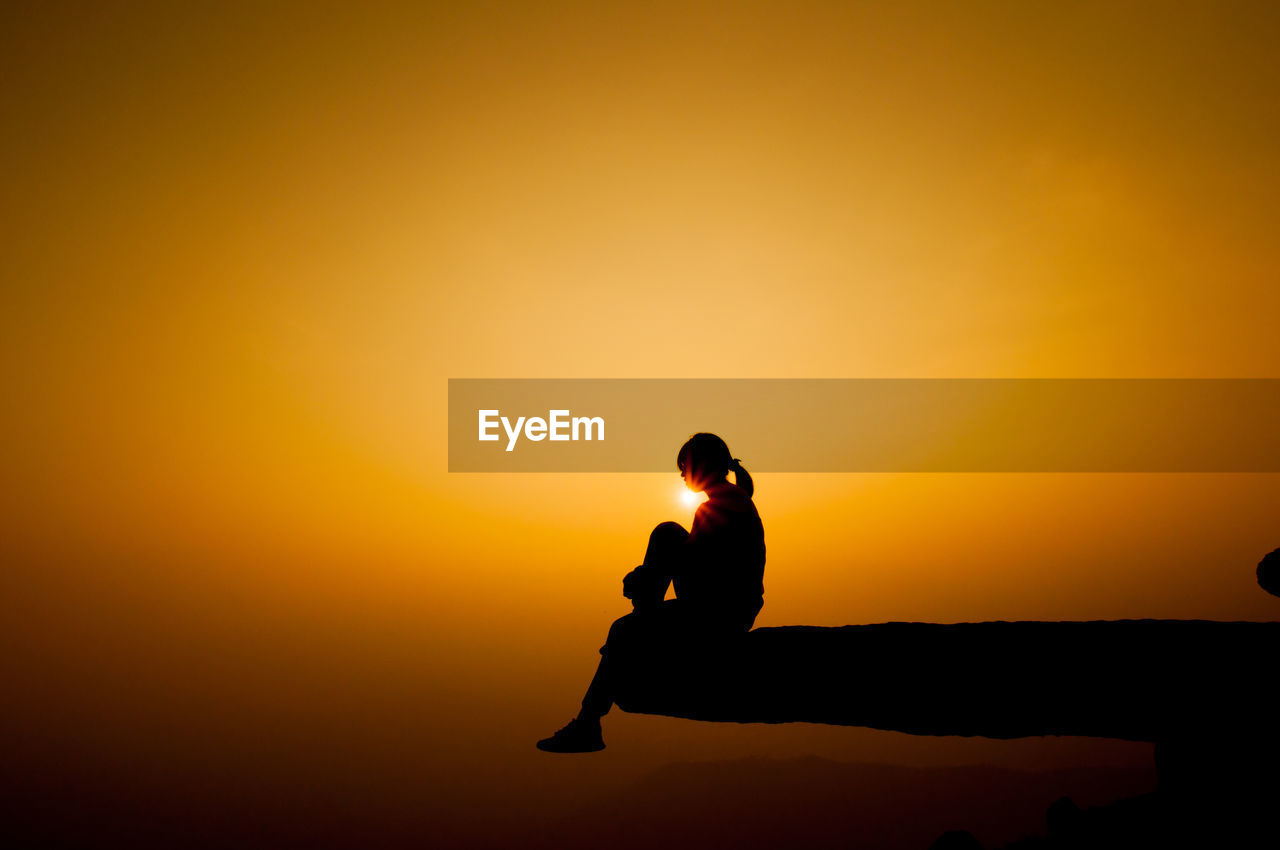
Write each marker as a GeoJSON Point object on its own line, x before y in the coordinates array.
{"type": "Point", "coordinates": [1202, 691]}
{"type": "Point", "coordinates": [1139, 680]}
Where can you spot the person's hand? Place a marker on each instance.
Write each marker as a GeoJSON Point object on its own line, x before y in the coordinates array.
{"type": "Point", "coordinates": [645, 587]}
{"type": "Point", "coordinates": [633, 583]}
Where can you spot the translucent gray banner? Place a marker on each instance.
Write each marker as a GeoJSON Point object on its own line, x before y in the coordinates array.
{"type": "Point", "coordinates": [869, 425]}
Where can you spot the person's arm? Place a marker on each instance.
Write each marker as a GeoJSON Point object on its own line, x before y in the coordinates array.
{"type": "Point", "coordinates": [700, 537]}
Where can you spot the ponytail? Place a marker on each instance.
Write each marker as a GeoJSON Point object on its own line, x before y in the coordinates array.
{"type": "Point", "coordinates": [741, 476]}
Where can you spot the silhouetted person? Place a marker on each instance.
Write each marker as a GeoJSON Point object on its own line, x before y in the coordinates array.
{"type": "Point", "coordinates": [716, 568]}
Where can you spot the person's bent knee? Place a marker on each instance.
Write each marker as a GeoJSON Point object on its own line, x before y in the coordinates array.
{"type": "Point", "coordinates": [666, 533]}
{"type": "Point", "coordinates": [620, 631]}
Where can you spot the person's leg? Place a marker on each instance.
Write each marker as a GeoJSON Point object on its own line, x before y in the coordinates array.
{"type": "Point", "coordinates": [664, 541]}
{"type": "Point", "coordinates": [646, 585]}
{"type": "Point", "coordinates": [599, 696]}
{"type": "Point", "coordinates": [582, 734]}
{"type": "Point", "coordinates": [624, 634]}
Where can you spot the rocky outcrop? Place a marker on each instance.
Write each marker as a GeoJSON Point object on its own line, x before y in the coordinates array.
{"type": "Point", "coordinates": [1200, 690]}
{"type": "Point", "coordinates": [1140, 680]}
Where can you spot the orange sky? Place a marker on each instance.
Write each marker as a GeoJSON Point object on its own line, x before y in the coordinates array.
{"type": "Point", "coordinates": [246, 248]}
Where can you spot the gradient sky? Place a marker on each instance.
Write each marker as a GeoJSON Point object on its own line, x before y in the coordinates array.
{"type": "Point", "coordinates": [245, 248]}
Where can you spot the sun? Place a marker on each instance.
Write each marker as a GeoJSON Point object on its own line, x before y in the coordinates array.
{"type": "Point", "coordinates": [691, 498]}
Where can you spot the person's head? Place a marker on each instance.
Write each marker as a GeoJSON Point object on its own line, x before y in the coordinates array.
{"type": "Point", "coordinates": [705, 460]}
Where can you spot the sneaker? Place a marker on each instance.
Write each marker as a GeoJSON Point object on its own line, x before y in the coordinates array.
{"type": "Point", "coordinates": [579, 736]}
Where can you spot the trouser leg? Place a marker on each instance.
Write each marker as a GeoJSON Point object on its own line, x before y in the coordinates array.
{"type": "Point", "coordinates": [599, 697]}
{"type": "Point", "coordinates": [664, 542]}
{"type": "Point", "coordinates": [660, 556]}
{"type": "Point", "coordinates": [600, 693]}
{"type": "Point", "coordinates": [647, 585]}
